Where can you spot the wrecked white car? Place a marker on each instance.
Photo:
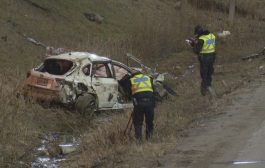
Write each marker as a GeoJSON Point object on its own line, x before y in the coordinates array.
{"type": "Point", "coordinates": [81, 80]}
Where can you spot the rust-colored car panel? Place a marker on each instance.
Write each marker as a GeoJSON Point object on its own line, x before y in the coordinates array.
{"type": "Point", "coordinates": [45, 81]}
{"type": "Point", "coordinates": [41, 94]}
{"type": "Point", "coordinates": [42, 86]}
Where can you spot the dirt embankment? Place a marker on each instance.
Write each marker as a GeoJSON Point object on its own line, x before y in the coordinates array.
{"type": "Point", "coordinates": [234, 137]}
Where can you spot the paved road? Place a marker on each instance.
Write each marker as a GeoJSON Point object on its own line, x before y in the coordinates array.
{"type": "Point", "coordinates": [234, 139]}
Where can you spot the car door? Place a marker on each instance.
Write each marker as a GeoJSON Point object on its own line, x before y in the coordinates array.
{"type": "Point", "coordinates": [104, 83]}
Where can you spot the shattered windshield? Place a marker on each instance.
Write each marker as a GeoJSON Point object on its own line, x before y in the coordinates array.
{"type": "Point", "coordinates": [56, 66]}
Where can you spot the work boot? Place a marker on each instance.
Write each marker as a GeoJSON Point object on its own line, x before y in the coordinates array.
{"type": "Point", "coordinates": [138, 133]}
{"type": "Point", "coordinates": [203, 91]}
{"type": "Point", "coordinates": [138, 141]}
{"type": "Point", "coordinates": [211, 91]}
{"type": "Point", "coordinates": [212, 97]}
{"type": "Point", "coordinates": [148, 135]}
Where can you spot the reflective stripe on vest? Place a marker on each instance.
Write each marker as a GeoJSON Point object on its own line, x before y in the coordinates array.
{"type": "Point", "coordinates": [209, 43]}
{"type": "Point", "coordinates": [141, 83]}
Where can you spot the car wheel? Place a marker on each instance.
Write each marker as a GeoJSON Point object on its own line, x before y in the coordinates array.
{"type": "Point", "coordinates": [86, 104]}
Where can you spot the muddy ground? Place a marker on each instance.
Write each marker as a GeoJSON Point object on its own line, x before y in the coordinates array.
{"type": "Point", "coordinates": [235, 138]}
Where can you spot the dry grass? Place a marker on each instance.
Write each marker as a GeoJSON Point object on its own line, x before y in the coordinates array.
{"type": "Point", "coordinates": [15, 120]}
{"type": "Point", "coordinates": [106, 146]}
{"type": "Point", "coordinates": [24, 123]}
{"type": "Point", "coordinates": [155, 32]}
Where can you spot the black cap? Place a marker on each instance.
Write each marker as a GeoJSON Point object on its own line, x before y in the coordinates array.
{"type": "Point", "coordinates": [198, 30]}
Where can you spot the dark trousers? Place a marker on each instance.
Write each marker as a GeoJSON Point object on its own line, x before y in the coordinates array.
{"type": "Point", "coordinates": [206, 69]}
{"type": "Point", "coordinates": [141, 111]}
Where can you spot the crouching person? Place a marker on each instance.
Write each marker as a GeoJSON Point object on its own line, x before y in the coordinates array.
{"type": "Point", "coordinates": [144, 103]}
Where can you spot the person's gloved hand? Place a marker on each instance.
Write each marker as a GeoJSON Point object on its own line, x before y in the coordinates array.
{"type": "Point", "coordinates": [191, 41]}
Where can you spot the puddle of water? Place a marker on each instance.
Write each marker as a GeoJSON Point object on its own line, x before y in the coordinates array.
{"type": "Point", "coordinates": [46, 162]}
{"type": "Point", "coordinates": [44, 159]}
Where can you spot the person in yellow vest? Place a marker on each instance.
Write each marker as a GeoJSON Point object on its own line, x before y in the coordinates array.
{"type": "Point", "coordinates": [204, 47]}
{"type": "Point", "coordinates": [142, 92]}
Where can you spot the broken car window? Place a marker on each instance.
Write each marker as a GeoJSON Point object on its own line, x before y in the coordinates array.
{"type": "Point", "coordinates": [86, 70]}
{"type": "Point", "coordinates": [57, 66]}
{"type": "Point", "coordinates": [101, 70]}
{"type": "Point", "coordinates": [120, 72]}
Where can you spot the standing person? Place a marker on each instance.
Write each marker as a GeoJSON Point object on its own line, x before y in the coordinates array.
{"type": "Point", "coordinates": [204, 47]}
{"type": "Point", "coordinates": [143, 102]}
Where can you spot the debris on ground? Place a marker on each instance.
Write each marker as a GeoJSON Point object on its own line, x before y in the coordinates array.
{"type": "Point", "coordinates": [189, 70]}
{"type": "Point", "coordinates": [191, 66]}
{"type": "Point", "coordinates": [34, 4]}
{"type": "Point", "coordinates": [94, 17]}
{"type": "Point", "coordinates": [223, 34]}
{"type": "Point", "coordinates": [255, 55]}
{"type": "Point", "coordinates": [55, 51]}
{"type": "Point", "coordinates": [4, 38]}
{"type": "Point", "coordinates": [34, 41]}
{"type": "Point", "coordinates": [178, 5]}
{"type": "Point", "coordinates": [49, 49]}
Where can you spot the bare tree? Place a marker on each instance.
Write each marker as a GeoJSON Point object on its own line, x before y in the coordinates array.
{"type": "Point", "coordinates": [232, 7]}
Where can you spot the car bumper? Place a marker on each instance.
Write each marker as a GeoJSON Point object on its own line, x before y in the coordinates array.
{"type": "Point", "coordinates": [41, 94]}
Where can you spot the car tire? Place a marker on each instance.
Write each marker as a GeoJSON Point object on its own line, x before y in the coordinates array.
{"type": "Point", "coordinates": [86, 104]}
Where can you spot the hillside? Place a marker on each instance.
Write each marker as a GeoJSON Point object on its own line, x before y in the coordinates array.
{"type": "Point", "coordinates": [154, 30]}
{"type": "Point", "coordinates": [64, 24]}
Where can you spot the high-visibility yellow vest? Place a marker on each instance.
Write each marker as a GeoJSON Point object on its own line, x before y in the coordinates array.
{"type": "Point", "coordinates": [209, 43]}
{"type": "Point", "coordinates": [141, 83]}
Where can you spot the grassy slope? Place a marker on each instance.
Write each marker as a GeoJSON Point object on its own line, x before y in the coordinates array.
{"type": "Point", "coordinates": [60, 24]}
{"type": "Point", "coordinates": [150, 28]}
{"type": "Point", "coordinates": [64, 24]}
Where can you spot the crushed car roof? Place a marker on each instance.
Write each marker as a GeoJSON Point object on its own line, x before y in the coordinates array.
{"type": "Point", "coordinates": [79, 56]}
